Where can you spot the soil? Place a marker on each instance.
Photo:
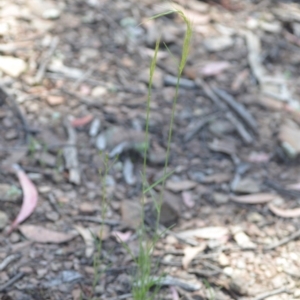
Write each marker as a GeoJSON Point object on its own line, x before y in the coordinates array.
{"type": "Point", "coordinates": [73, 98]}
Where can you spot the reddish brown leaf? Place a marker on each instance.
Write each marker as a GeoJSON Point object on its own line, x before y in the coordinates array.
{"type": "Point", "coordinates": [214, 68]}
{"type": "Point", "coordinates": [254, 198]}
{"type": "Point", "coordinates": [82, 121]}
{"type": "Point", "coordinates": [30, 198]}
{"type": "Point", "coordinates": [188, 199]}
{"type": "Point", "coordinates": [122, 236]}
{"type": "Point", "coordinates": [40, 234]}
{"type": "Point", "coordinates": [284, 213]}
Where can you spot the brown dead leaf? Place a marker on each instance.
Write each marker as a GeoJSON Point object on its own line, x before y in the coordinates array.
{"type": "Point", "coordinates": [239, 80]}
{"type": "Point", "coordinates": [180, 186]}
{"type": "Point", "coordinates": [290, 136]}
{"type": "Point", "coordinates": [80, 122]}
{"type": "Point", "coordinates": [188, 199]}
{"type": "Point", "coordinates": [294, 186]}
{"type": "Point", "coordinates": [271, 103]}
{"type": "Point", "coordinates": [217, 178]}
{"type": "Point", "coordinates": [131, 212]}
{"type": "Point", "coordinates": [189, 253]}
{"type": "Point", "coordinates": [223, 146]}
{"type": "Point", "coordinates": [40, 234]}
{"type": "Point", "coordinates": [170, 209]}
{"type": "Point", "coordinates": [197, 18]}
{"type": "Point", "coordinates": [214, 68]}
{"type": "Point", "coordinates": [55, 100]}
{"type": "Point", "coordinates": [88, 240]}
{"type": "Point", "coordinates": [284, 213]}
{"type": "Point", "coordinates": [254, 198]}
{"type": "Point", "coordinates": [204, 233]}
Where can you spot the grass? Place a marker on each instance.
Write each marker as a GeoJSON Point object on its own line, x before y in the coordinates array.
{"type": "Point", "coordinates": [143, 282]}
{"type": "Point", "coordinates": [144, 286]}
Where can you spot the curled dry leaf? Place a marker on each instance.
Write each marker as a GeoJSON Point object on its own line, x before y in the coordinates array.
{"type": "Point", "coordinates": [188, 199]}
{"type": "Point", "coordinates": [189, 253]}
{"type": "Point", "coordinates": [88, 238]}
{"type": "Point", "coordinates": [43, 235]}
{"type": "Point", "coordinates": [174, 293]}
{"type": "Point", "coordinates": [254, 198]}
{"type": "Point", "coordinates": [30, 197]}
{"type": "Point", "coordinates": [284, 213]}
{"type": "Point", "coordinates": [79, 122]}
{"type": "Point", "coordinates": [214, 68]}
{"type": "Point", "coordinates": [122, 236]}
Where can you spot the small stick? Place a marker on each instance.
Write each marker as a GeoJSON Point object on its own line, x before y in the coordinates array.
{"type": "Point", "coordinates": [70, 155]}
{"type": "Point", "coordinates": [284, 241]}
{"type": "Point", "coordinates": [11, 281]}
{"type": "Point", "coordinates": [271, 293]}
{"type": "Point", "coordinates": [53, 203]}
{"type": "Point", "coordinates": [244, 134]}
{"type": "Point", "coordinates": [85, 75]}
{"type": "Point", "coordinates": [246, 137]}
{"type": "Point", "coordinates": [184, 293]}
{"type": "Point", "coordinates": [238, 108]}
{"type": "Point", "coordinates": [97, 220]}
{"type": "Point", "coordinates": [9, 259]}
{"type": "Point", "coordinates": [12, 103]}
{"type": "Point", "coordinates": [43, 66]}
{"type": "Point", "coordinates": [195, 127]}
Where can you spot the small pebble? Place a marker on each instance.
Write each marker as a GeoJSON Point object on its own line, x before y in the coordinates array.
{"type": "Point", "coordinates": [95, 127]}
{"type": "Point", "coordinates": [55, 266]}
{"type": "Point", "coordinates": [52, 216]}
{"type": "Point", "coordinates": [87, 208]}
{"type": "Point", "coordinates": [44, 189]}
{"type": "Point", "coordinates": [3, 219]}
{"type": "Point", "coordinates": [14, 238]}
{"type": "Point", "coordinates": [26, 270]}
{"type": "Point", "coordinates": [11, 134]}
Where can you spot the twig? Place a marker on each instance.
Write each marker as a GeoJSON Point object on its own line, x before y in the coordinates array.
{"type": "Point", "coordinates": [43, 66]}
{"type": "Point", "coordinates": [184, 293]}
{"type": "Point", "coordinates": [194, 127]}
{"type": "Point", "coordinates": [53, 203]}
{"type": "Point", "coordinates": [271, 293]}
{"type": "Point", "coordinates": [244, 134]}
{"type": "Point", "coordinates": [95, 81]}
{"type": "Point", "coordinates": [205, 273]}
{"type": "Point", "coordinates": [284, 241]}
{"type": "Point", "coordinates": [9, 259]}
{"type": "Point", "coordinates": [125, 296]}
{"type": "Point", "coordinates": [281, 190]}
{"type": "Point", "coordinates": [70, 155]}
{"type": "Point", "coordinates": [88, 101]}
{"type": "Point", "coordinates": [85, 75]}
{"type": "Point", "coordinates": [97, 220]}
{"type": "Point", "coordinates": [170, 280]}
{"type": "Point", "coordinates": [246, 137]}
{"type": "Point", "coordinates": [12, 103]}
{"type": "Point", "coordinates": [238, 108]}
{"type": "Point", "coordinates": [11, 281]}
{"type": "Point", "coordinates": [184, 83]}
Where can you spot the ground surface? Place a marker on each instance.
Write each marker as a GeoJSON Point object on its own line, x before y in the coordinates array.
{"type": "Point", "coordinates": [81, 62]}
